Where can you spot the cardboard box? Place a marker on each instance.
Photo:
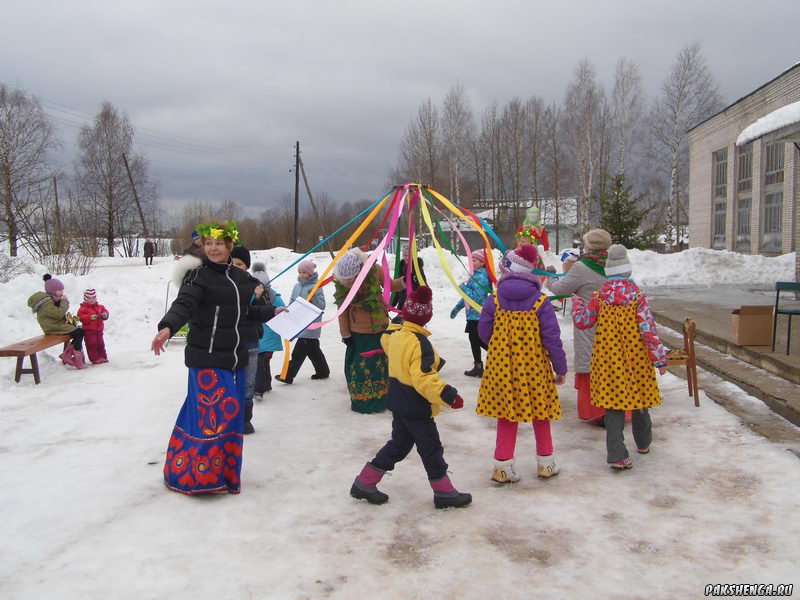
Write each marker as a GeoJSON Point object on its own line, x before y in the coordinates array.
{"type": "Point", "coordinates": [752, 326]}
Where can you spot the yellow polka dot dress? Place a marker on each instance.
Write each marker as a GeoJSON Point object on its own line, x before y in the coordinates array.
{"type": "Point", "coordinates": [517, 383]}
{"type": "Point", "coordinates": [622, 377]}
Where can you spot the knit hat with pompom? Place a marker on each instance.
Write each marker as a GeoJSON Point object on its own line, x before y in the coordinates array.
{"type": "Point", "coordinates": [51, 284]}
{"type": "Point", "coordinates": [521, 260]}
{"type": "Point", "coordinates": [418, 307]}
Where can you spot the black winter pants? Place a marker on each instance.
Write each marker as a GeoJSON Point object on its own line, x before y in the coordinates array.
{"type": "Point", "coordinates": [307, 348]}
{"type": "Point", "coordinates": [406, 433]}
{"type": "Point", "coordinates": [263, 373]}
{"type": "Point", "coordinates": [475, 341]}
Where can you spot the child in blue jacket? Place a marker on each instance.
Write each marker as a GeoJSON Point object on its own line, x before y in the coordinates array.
{"type": "Point", "coordinates": [270, 341]}
{"type": "Point", "coordinates": [477, 287]}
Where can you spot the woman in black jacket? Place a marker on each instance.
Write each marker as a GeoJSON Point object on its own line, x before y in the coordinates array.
{"type": "Point", "coordinates": [220, 304]}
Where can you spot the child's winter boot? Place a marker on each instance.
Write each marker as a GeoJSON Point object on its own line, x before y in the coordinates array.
{"type": "Point", "coordinates": [476, 371]}
{"type": "Point", "coordinates": [504, 471]}
{"type": "Point", "coordinates": [67, 356]}
{"type": "Point", "coordinates": [364, 486]}
{"type": "Point", "coordinates": [79, 361]}
{"type": "Point", "coordinates": [446, 496]}
{"type": "Point", "coordinates": [547, 466]}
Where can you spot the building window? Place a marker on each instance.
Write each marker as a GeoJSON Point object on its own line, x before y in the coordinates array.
{"type": "Point", "coordinates": [720, 213]}
{"type": "Point", "coordinates": [720, 161]}
{"type": "Point", "coordinates": [743, 224]}
{"type": "Point", "coordinates": [773, 170]}
{"type": "Point", "coordinates": [773, 224]}
{"type": "Point", "coordinates": [744, 179]}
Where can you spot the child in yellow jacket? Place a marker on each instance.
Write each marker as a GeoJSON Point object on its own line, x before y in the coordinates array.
{"type": "Point", "coordinates": [415, 394]}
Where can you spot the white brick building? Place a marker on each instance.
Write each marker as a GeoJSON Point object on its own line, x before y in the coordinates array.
{"type": "Point", "coordinates": [744, 197]}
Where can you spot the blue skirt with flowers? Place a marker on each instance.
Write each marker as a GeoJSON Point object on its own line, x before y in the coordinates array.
{"type": "Point", "coordinates": [205, 450]}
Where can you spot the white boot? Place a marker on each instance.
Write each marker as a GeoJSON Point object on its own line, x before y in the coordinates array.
{"type": "Point", "coordinates": [504, 471]}
{"type": "Point", "coordinates": [547, 466]}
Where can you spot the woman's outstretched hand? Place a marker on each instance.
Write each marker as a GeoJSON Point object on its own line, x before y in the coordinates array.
{"type": "Point", "coordinates": [158, 342]}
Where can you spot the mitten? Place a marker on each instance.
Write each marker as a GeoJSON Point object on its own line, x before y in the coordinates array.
{"type": "Point", "coordinates": [94, 317]}
{"type": "Point", "coordinates": [105, 315]}
{"type": "Point", "coordinates": [348, 341]}
{"type": "Point", "coordinates": [454, 312]}
{"type": "Point", "coordinates": [457, 403]}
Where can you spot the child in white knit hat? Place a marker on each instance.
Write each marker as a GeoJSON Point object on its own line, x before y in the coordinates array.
{"type": "Point", "coordinates": [621, 375]}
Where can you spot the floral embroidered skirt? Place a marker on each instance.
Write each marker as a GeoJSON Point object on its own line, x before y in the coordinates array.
{"type": "Point", "coordinates": [367, 373]}
{"type": "Point", "coordinates": [205, 450]}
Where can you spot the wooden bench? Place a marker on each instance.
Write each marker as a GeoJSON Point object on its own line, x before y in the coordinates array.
{"type": "Point", "coordinates": [30, 348]}
{"type": "Point", "coordinates": [687, 357]}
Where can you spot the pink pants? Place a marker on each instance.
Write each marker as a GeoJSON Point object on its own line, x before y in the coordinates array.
{"type": "Point", "coordinates": [95, 346]}
{"type": "Point", "coordinates": [507, 438]}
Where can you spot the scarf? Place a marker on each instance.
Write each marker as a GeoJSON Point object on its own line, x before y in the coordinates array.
{"type": "Point", "coordinates": [595, 260]}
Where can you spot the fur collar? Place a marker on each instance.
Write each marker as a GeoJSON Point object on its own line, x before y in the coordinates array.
{"type": "Point", "coordinates": [183, 266]}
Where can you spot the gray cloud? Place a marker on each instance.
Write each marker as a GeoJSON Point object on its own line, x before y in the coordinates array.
{"type": "Point", "coordinates": [219, 92]}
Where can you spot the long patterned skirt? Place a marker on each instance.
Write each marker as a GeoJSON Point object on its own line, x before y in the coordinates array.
{"type": "Point", "coordinates": [205, 450]}
{"type": "Point", "coordinates": [367, 373]}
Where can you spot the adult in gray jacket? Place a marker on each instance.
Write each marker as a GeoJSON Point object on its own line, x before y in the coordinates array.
{"type": "Point", "coordinates": [585, 278]}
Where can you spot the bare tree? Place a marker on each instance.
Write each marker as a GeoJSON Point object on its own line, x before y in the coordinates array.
{"type": "Point", "coordinates": [535, 141]}
{"type": "Point", "coordinates": [688, 96]}
{"type": "Point", "coordinates": [421, 147]}
{"type": "Point", "coordinates": [26, 140]}
{"type": "Point", "coordinates": [514, 162]}
{"type": "Point", "coordinates": [584, 104]}
{"type": "Point", "coordinates": [102, 181]}
{"type": "Point", "coordinates": [627, 102]}
{"type": "Point", "coordinates": [458, 129]}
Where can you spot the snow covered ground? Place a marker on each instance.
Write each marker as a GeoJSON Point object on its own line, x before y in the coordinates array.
{"type": "Point", "coordinates": [86, 514]}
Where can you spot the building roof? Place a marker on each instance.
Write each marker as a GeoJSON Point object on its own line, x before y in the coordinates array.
{"type": "Point", "coordinates": [785, 116]}
{"type": "Point", "coordinates": [755, 91]}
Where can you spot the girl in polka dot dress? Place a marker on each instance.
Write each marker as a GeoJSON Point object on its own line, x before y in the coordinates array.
{"type": "Point", "coordinates": [626, 347]}
{"type": "Point", "coordinates": [519, 385]}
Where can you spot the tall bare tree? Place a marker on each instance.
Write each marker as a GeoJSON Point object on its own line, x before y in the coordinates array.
{"type": "Point", "coordinates": [102, 181]}
{"type": "Point", "coordinates": [584, 105]}
{"type": "Point", "coordinates": [688, 96]}
{"type": "Point", "coordinates": [535, 142]}
{"type": "Point", "coordinates": [422, 147]}
{"type": "Point", "coordinates": [26, 141]}
{"type": "Point", "coordinates": [627, 101]}
{"type": "Point", "coordinates": [458, 128]}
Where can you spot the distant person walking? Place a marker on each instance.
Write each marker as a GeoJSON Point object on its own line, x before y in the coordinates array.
{"type": "Point", "coordinates": [149, 252]}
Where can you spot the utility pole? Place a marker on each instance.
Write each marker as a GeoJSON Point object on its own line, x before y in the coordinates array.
{"type": "Point", "coordinates": [135, 196]}
{"type": "Point", "coordinates": [296, 240]}
{"type": "Point", "coordinates": [314, 208]}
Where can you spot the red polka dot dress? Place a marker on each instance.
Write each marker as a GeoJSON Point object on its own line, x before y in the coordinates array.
{"type": "Point", "coordinates": [622, 376]}
{"type": "Point", "coordinates": [517, 384]}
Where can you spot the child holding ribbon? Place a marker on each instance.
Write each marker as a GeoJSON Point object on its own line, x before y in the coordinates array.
{"type": "Point", "coordinates": [477, 287]}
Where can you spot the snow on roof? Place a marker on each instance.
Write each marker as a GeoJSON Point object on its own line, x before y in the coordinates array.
{"type": "Point", "coordinates": [777, 119]}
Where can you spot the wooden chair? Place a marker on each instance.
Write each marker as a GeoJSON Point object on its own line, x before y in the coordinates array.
{"type": "Point", "coordinates": [687, 357]}
{"type": "Point", "coordinates": [784, 286]}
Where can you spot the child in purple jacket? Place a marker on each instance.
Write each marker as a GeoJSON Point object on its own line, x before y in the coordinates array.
{"type": "Point", "coordinates": [519, 385]}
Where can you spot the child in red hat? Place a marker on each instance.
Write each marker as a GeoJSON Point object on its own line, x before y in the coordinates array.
{"type": "Point", "coordinates": [93, 316]}
{"type": "Point", "coordinates": [415, 394]}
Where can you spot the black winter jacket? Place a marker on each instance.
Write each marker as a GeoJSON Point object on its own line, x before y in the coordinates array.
{"type": "Point", "coordinates": [215, 300]}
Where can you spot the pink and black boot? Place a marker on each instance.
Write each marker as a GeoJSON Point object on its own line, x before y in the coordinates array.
{"type": "Point", "coordinates": [364, 486]}
{"type": "Point", "coordinates": [446, 496]}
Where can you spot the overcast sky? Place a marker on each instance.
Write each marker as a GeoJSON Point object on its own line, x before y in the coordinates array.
{"type": "Point", "coordinates": [219, 92]}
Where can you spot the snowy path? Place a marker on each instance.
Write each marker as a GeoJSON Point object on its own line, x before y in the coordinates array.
{"type": "Point", "coordinates": [86, 514]}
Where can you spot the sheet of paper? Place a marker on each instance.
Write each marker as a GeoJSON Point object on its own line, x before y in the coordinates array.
{"type": "Point", "coordinates": [292, 322]}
